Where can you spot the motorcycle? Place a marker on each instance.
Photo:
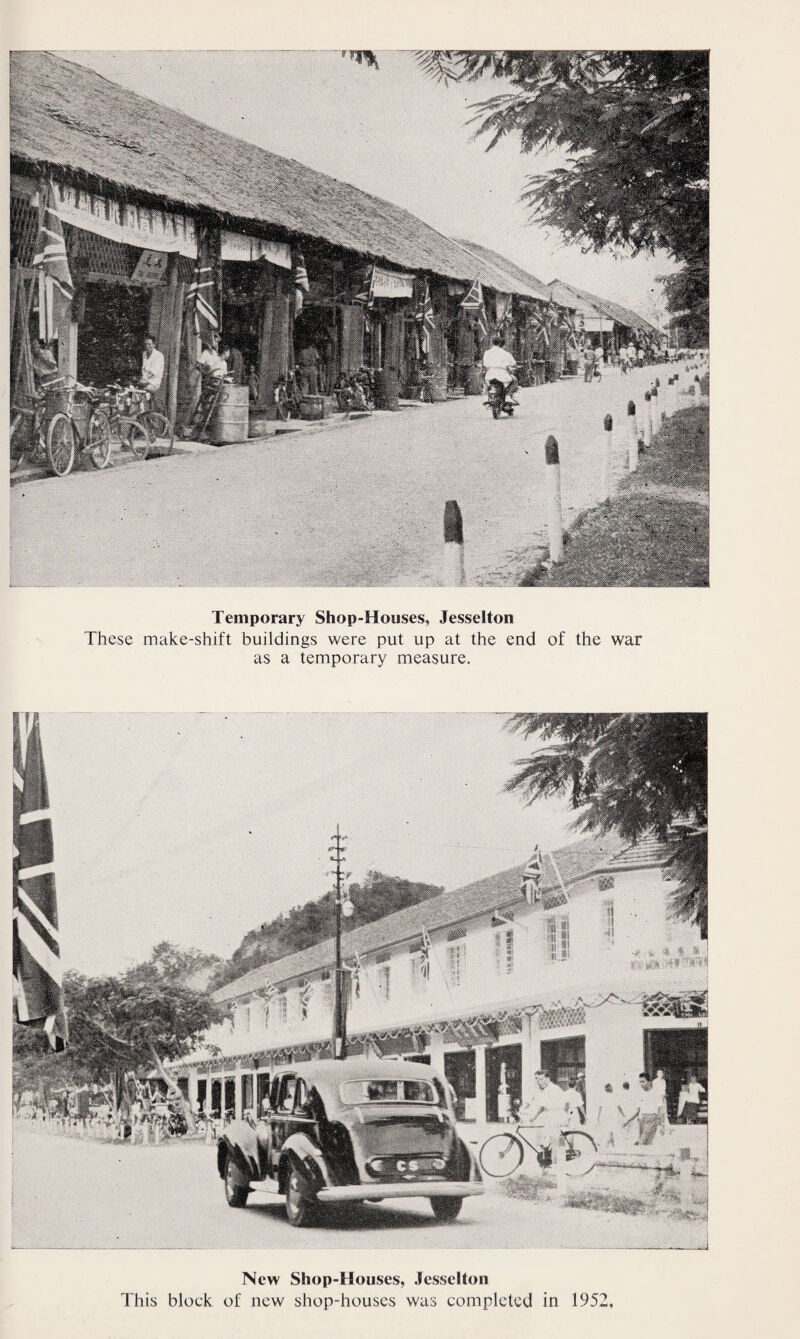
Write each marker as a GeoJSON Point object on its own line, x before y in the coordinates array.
{"type": "Point", "coordinates": [498, 400]}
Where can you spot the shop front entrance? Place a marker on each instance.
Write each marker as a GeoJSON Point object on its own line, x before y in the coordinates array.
{"type": "Point", "coordinates": [680, 1052]}
{"type": "Point", "coordinates": [564, 1059]}
{"type": "Point", "coordinates": [459, 1070]}
{"type": "Point", "coordinates": [503, 1081]}
{"type": "Point", "coordinates": [113, 323]}
{"type": "Point", "coordinates": [230, 1094]}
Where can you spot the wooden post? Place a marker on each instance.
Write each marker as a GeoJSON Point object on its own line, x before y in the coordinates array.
{"type": "Point", "coordinates": [560, 1165]}
{"type": "Point", "coordinates": [454, 571]}
{"type": "Point", "coordinates": [555, 524]}
{"type": "Point", "coordinates": [605, 458]}
{"type": "Point", "coordinates": [633, 438]}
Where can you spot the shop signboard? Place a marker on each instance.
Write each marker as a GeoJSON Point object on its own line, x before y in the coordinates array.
{"type": "Point", "coordinates": [151, 269]}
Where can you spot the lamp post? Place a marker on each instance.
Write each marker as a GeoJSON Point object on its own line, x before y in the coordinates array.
{"type": "Point", "coordinates": [342, 907]}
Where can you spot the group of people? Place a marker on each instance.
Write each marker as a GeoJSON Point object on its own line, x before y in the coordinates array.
{"type": "Point", "coordinates": [626, 1118]}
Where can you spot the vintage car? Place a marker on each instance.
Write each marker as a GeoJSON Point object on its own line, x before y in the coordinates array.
{"type": "Point", "coordinates": [335, 1131]}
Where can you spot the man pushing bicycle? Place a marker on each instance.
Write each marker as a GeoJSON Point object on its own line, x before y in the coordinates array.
{"type": "Point", "coordinates": [547, 1109]}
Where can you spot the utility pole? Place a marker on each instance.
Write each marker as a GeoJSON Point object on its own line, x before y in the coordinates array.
{"type": "Point", "coordinates": [342, 907]}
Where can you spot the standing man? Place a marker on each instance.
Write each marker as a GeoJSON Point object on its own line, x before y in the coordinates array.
{"type": "Point", "coordinates": [152, 367]}
{"type": "Point", "coordinates": [575, 1107]}
{"type": "Point", "coordinates": [308, 369]}
{"type": "Point", "coordinates": [691, 1106]}
{"type": "Point", "coordinates": [648, 1110]}
{"type": "Point", "coordinates": [660, 1088]}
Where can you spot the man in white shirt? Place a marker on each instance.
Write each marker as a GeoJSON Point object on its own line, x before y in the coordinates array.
{"type": "Point", "coordinates": [660, 1088]}
{"type": "Point", "coordinates": [574, 1102]}
{"type": "Point", "coordinates": [648, 1111]}
{"type": "Point", "coordinates": [152, 366]}
{"type": "Point", "coordinates": [499, 365]}
{"type": "Point", "coordinates": [547, 1109]}
{"type": "Point", "coordinates": [691, 1106]}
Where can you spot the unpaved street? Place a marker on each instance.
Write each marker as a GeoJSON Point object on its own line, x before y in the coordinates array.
{"type": "Point", "coordinates": [73, 1193]}
{"type": "Point", "coordinates": [354, 505]}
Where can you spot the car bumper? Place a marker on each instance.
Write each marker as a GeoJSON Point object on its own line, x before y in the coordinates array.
{"type": "Point", "coordinates": [400, 1190]}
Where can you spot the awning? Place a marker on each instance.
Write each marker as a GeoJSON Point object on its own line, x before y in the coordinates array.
{"type": "Point", "coordinates": [132, 225]}
{"type": "Point", "coordinates": [597, 324]}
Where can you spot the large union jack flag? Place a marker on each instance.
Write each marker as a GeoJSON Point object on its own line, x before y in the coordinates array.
{"type": "Point", "coordinates": [531, 882]}
{"type": "Point", "coordinates": [56, 289]}
{"type": "Point", "coordinates": [473, 302]}
{"type": "Point", "coordinates": [201, 293]}
{"type": "Point", "coordinates": [36, 946]}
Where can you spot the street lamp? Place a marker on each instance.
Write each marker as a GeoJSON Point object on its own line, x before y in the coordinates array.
{"type": "Point", "coordinates": [343, 906]}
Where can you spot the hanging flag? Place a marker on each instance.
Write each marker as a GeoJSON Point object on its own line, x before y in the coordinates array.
{"type": "Point", "coordinates": [425, 315]}
{"type": "Point", "coordinates": [301, 284]}
{"type": "Point", "coordinates": [531, 881]}
{"type": "Point", "coordinates": [473, 302]}
{"type": "Point", "coordinates": [36, 947]}
{"type": "Point", "coordinates": [201, 293]}
{"type": "Point", "coordinates": [306, 992]}
{"type": "Point", "coordinates": [425, 954]}
{"type": "Point", "coordinates": [366, 294]}
{"type": "Point", "coordinates": [355, 976]}
{"type": "Point", "coordinates": [56, 289]}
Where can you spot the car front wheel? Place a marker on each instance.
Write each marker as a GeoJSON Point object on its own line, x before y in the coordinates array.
{"type": "Point", "coordinates": [446, 1210]}
{"type": "Point", "coordinates": [235, 1193]}
{"type": "Point", "coordinates": [301, 1208]}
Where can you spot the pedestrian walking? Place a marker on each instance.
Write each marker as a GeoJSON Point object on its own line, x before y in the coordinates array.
{"type": "Point", "coordinates": [691, 1106]}
{"type": "Point", "coordinates": [598, 362]}
{"type": "Point", "coordinates": [588, 363]}
{"type": "Point", "coordinates": [624, 361]}
{"type": "Point", "coordinates": [609, 1119]}
{"type": "Point", "coordinates": [647, 1111]}
{"type": "Point", "coordinates": [575, 1107]}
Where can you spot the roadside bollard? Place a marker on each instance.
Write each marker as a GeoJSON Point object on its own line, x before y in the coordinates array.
{"type": "Point", "coordinates": [157, 1133]}
{"type": "Point", "coordinates": [560, 1165]}
{"type": "Point", "coordinates": [633, 438]}
{"type": "Point", "coordinates": [209, 1139]}
{"type": "Point", "coordinates": [647, 422]}
{"type": "Point", "coordinates": [555, 524]}
{"type": "Point", "coordinates": [605, 458]}
{"type": "Point", "coordinates": [655, 407]}
{"type": "Point", "coordinates": [696, 390]}
{"type": "Point", "coordinates": [660, 402]}
{"type": "Point", "coordinates": [454, 572]}
{"type": "Point", "coordinates": [685, 1177]}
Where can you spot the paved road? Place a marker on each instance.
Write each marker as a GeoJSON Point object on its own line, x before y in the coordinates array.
{"type": "Point", "coordinates": [358, 505]}
{"type": "Point", "coordinates": [70, 1193]}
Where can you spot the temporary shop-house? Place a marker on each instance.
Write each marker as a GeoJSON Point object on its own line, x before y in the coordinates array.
{"type": "Point", "coordinates": [300, 272]}
{"type": "Point", "coordinates": [605, 322]}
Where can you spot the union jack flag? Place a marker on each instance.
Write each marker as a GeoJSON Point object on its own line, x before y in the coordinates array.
{"type": "Point", "coordinates": [531, 881]}
{"type": "Point", "coordinates": [201, 293]}
{"type": "Point", "coordinates": [366, 293]}
{"type": "Point", "coordinates": [473, 302]}
{"type": "Point", "coordinates": [300, 281]}
{"type": "Point", "coordinates": [425, 953]}
{"type": "Point", "coordinates": [56, 289]}
{"type": "Point", "coordinates": [425, 315]}
{"type": "Point", "coordinates": [36, 947]}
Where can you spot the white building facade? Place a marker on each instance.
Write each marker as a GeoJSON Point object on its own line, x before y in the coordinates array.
{"type": "Point", "coordinates": [592, 980]}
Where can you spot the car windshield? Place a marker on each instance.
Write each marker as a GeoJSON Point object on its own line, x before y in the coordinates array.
{"type": "Point", "coordinates": [356, 1091]}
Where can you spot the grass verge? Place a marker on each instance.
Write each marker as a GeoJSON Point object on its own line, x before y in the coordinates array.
{"type": "Point", "coordinates": [654, 532]}
{"type": "Point", "coordinates": [542, 1191]}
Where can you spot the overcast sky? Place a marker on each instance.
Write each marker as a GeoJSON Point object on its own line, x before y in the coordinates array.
{"type": "Point", "coordinates": [392, 132]}
{"type": "Point", "coordinates": [198, 828]}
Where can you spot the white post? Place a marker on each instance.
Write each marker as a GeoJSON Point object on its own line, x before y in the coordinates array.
{"type": "Point", "coordinates": [696, 390]}
{"type": "Point", "coordinates": [647, 421]}
{"type": "Point", "coordinates": [605, 458]}
{"type": "Point", "coordinates": [685, 1176]}
{"type": "Point", "coordinates": [454, 571]}
{"type": "Point", "coordinates": [633, 438]}
{"type": "Point", "coordinates": [560, 1166]}
{"type": "Point", "coordinates": [660, 403]}
{"type": "Point", "coordinates": [656, 408]}
{"type": "Point", "coordinates": [555, 524]}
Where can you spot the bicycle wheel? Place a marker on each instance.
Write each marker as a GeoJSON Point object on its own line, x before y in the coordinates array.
{"type": "Point", "coordinates": [98, 440]}
{"type": "Point", "coordinates": [581, 1152]}
{"type": "Point", "coordinates": [134, 438]}
{"type": "Point", "coordinates": [160, 432]}
{"type": "Point", "coordinates": [501, 1154]}
{"type": "Point", "coordinates": [61, 444]}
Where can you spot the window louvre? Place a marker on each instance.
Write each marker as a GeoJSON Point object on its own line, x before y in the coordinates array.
{"type": "Point", "coordinates": [607, 922]}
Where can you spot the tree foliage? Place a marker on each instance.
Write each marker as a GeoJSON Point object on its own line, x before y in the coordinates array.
{"type": "Point", "coordinates": [633, 128]}
{"type": "Point", "coordinates": [132, 1021]}
{"type": "Point", "coordinates": [632, 774]}
{"type": "Point", "coordinates": [305, 925]}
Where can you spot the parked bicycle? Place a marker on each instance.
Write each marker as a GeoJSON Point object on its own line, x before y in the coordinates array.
{"type": "Point", "coordinates": [79, 425]}
{"type": "Point", "coordinates": [287, 397]}
{"type": "Point", "coordinates": [132, 403]}
{"type": "Point", "coordinates": [28, 428]}
{"type": "Point", "coordinates": [501, 1154]}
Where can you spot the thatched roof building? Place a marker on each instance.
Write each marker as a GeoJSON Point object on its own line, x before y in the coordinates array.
{"type": "Point", "coordinates": [590, 303]}
{"type": "Point", "coordinates": [73, 123]}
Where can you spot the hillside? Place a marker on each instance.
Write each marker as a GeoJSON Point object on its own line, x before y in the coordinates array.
{"type": "Point", "coordinates": [379, 895]}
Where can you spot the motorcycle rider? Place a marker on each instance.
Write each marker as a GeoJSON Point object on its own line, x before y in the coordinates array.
{"type": "Point", "coordinates": [499, 365]}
